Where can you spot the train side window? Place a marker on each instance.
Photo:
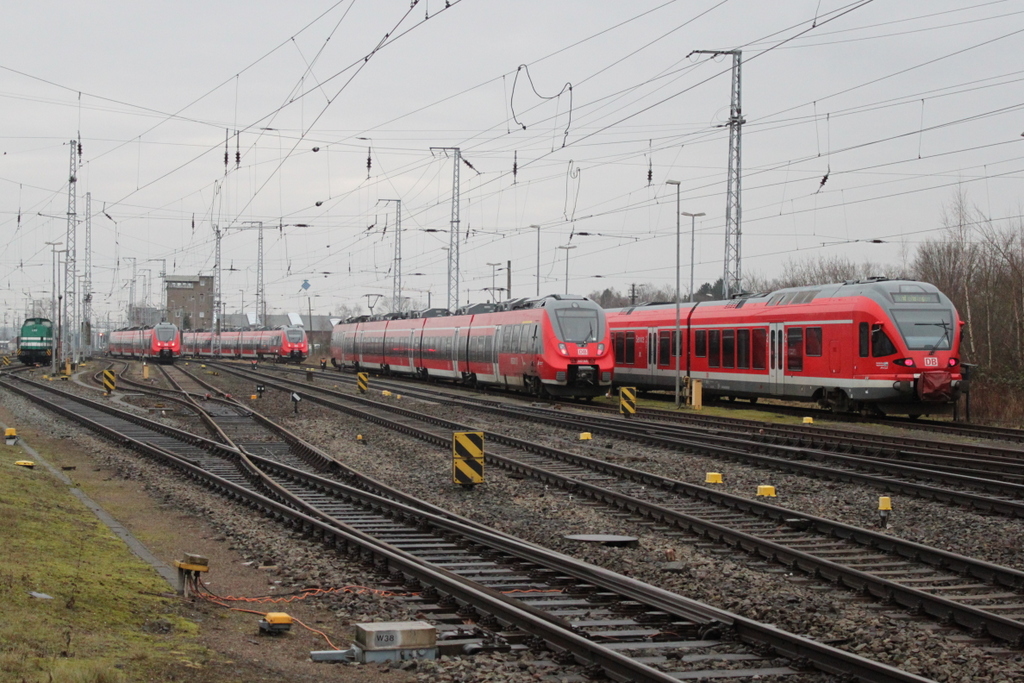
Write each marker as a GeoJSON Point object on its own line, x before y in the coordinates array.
{"type": "Point", "coordinates": [517, 331]}
{"type": "Point", "coordinates": [760, 344]}
{"type": "Point", "coordinates": [700, 343]}
{"type": "Point", "coordinates": [881, 345]}
{"type": "Point", "coordinates": [664, 343]}
{"type": "Point", "coordinates": [714, 348]}
{"type": "Point", "coordinates": [795, 349]}
{"type": "Point", "coordinates": [864, 338]}
{"type": "Point", "coordinates": [743, 349]}
{"type": "Point", "coordinates": [813, 347]}
{"type": "Point", "coordinates": [619, 342]}
{"type": "Point", "coordinates": [728, 348]}
{"type": "Point", "coordinates": [630, 356]}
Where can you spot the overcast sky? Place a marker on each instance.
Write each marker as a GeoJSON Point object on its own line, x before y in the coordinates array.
{"type": "Point", "coordinates": [563, 110]}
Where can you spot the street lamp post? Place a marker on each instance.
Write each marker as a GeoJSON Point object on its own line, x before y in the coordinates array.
{"type": "Point", "coordinates": [693, 230]}
{"type": "Point", "coordinates": [538, 257]}
{"type": "Point", "coordinates": [567, 247]}
{"type": "Point", "coordinates": [53, 300]}
{"type": "Point", "coordinates": [677, 342]}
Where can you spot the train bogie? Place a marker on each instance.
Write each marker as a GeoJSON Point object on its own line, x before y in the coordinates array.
{"type": "Point", "coordinates": [876, 345]}
{"type": "Point", "coordinates": [554, 345]}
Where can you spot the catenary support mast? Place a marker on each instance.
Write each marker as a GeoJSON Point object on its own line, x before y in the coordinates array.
{"type": "Point", "coordinates": [67, 347]}
{"type": "Point", "coordinates": [453, 234]}
{"type": "Point", "coordinates": [732, 273]}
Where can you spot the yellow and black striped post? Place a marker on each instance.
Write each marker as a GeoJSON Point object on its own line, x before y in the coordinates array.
{"type": "Point", "coordinates": [6, 360]}
{"type": "Point", "coordinates": [627, 401]}
{"type": "Point", "coordinates": [109, 381]}
{"type": "Point", "coordinates": [362, 381]}
{"type": "Point", "coordinates": [468, 458]}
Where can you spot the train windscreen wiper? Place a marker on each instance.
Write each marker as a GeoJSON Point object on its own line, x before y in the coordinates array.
{"type": "Point", "coordinates": [945, 334]}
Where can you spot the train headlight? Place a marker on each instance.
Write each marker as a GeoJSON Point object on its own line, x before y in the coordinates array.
{"type": "Point", "coordinates": [561, 347]}
{"type": "Point", "coordinates": [953, 361]}
{"type": "Point", "coordinates": [905, 362]}
{"type": "Point", "coordinates": [600, 349]}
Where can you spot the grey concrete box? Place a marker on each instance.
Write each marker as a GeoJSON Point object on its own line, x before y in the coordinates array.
{"type": "Point", "coordinates": [390, 635]}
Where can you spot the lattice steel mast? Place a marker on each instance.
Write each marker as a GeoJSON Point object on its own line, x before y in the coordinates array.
{"type": "Point", "coordinates": [453, 235]}
{"type": "Point", "coordinates": [732, 274]}
{"type": "Point", "coordinates": [396, 292]}
{"type": "Point", "coordinates": [67, 348]}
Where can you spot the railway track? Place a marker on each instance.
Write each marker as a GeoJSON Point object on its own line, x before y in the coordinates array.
{"type": "Point", "coordinates": [518, 595]}
{"type": "Point", "coordinates": [979, 596]}
{"type": "Point", "coordinates": [985, 478]}
{"type": "Point", "coordinates": [931, 426]}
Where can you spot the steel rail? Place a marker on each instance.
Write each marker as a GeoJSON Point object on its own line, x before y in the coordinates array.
{"type": "Point", "coordinates": [976, 620]}
{"type": "Point", "coordinates": [618, 666]}
{"type": "Point", "coordinates": [794, 460]}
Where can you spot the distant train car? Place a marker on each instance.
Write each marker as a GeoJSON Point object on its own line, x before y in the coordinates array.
{"type": "Point", "coordinates": [554, 345]}
{"type": "Point", "coordinates": [35, 342]}
{"type": "Point", "coordinates": [160, 343]}
{"type": "Point", "coordinates": [881, 346]}
{"type": "Point", "coordinates": [284, 344]}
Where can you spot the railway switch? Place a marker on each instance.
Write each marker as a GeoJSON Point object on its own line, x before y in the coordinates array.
{"type": "Point", "coordinates": [713, 478]}
{"type": "Point", "coordinates": [766, 491]}
{"type": "Point", "coordinates": [275, 623]}
{"type": "Point", "coordinates": [386, 641]}
{"type": "Point", "coordinates": [10, 436]}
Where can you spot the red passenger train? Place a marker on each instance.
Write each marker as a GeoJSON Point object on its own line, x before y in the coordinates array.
{"type": "Point", "coordinates": [884, 346]}
{"type": "Point", "coordinates": [284, 344]}
{"type": "Point", "coordinates": [554, 345]}
{"type": "Point", "coordinates": [160, 343]}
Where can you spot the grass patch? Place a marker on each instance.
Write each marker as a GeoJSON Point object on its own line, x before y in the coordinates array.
{"type": "Point", "coordinates": [106, 620]}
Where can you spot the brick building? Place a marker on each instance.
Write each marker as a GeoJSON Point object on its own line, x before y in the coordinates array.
{"type": "Point", "coordinates": [190, 301]}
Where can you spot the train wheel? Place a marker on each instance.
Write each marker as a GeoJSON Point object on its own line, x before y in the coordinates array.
{"type": "Point", "coordinates": [753, 400]}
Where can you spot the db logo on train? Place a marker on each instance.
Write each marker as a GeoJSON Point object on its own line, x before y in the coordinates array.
{"type": "Point", "coordinates": [931, 361]}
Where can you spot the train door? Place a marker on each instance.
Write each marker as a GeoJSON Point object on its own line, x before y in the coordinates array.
{"type": "Point", "coordinates": [776, 357]}
{"type": "Point", "coordinates": [496, 353]}
{"type": "Point", "coordinates": [412, 351]}
{"type": "Point", "coordinates": [663, 372]}
{"type": "Point", "coordinates": [641, 360]}
{"type": "Point", "coordinates": [835, 357]}
{"type": "Point", "coordinates": [451, 352]}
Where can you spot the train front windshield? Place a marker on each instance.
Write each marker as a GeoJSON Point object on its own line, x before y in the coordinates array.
{"type": "Point", "coordinates": [578, 325]}
{"type": "Point", "coordinates": [294, 336]}
{"type": "Point", "coordinates": [165, 333]}
{"type": "Point", "coordinates": [926, 329]}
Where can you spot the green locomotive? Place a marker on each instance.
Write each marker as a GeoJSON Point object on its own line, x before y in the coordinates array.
{"type": "Point", "coordinates": [35, 343]}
